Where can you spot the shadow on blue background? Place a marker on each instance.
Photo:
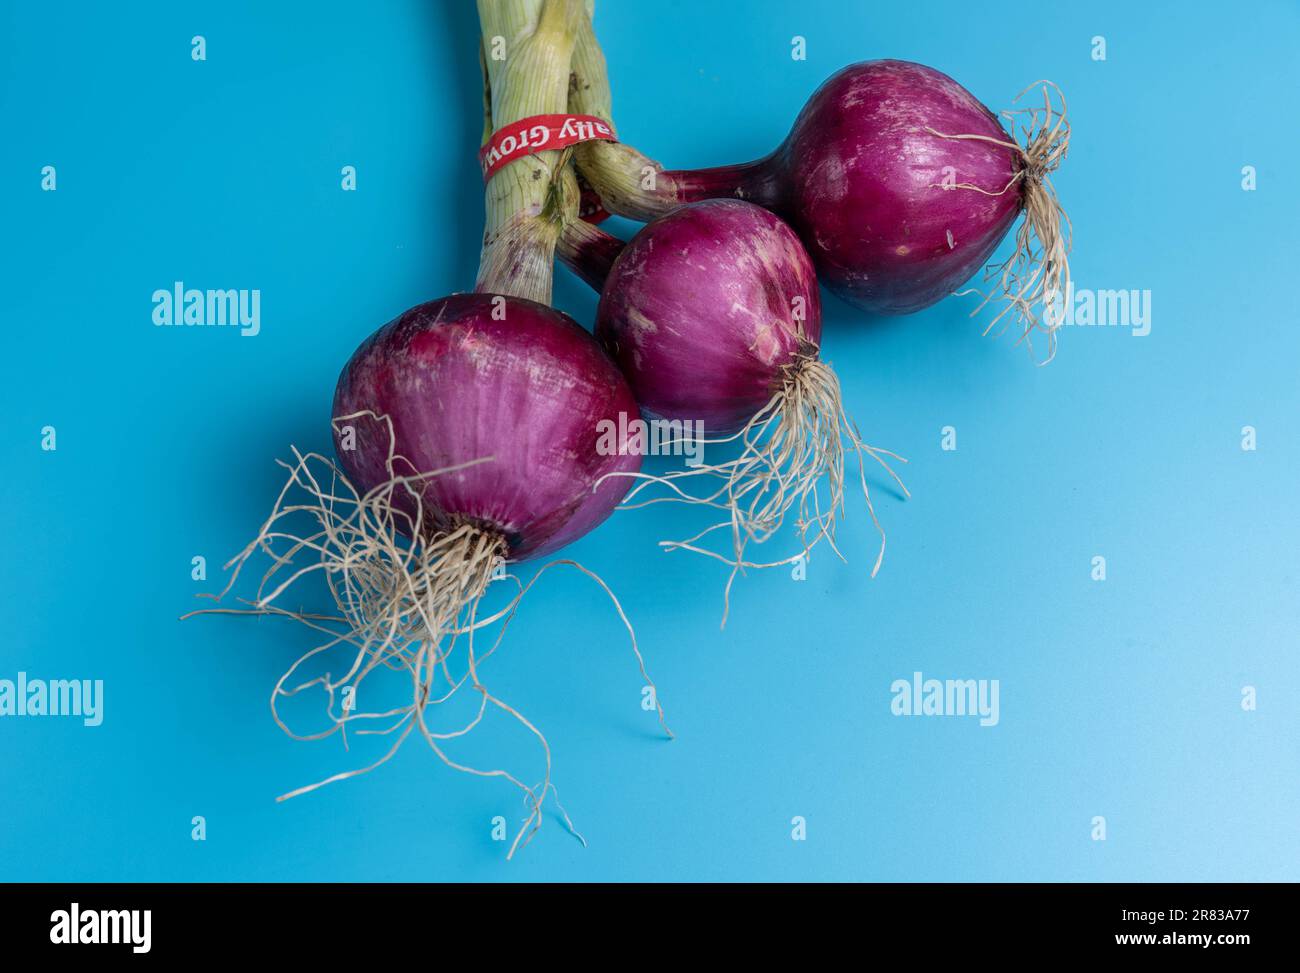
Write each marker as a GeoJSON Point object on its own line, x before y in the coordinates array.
{"type": "Point", "coordinates": [1119, 699]}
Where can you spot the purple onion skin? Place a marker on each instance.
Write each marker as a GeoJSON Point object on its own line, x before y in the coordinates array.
{"type": "Point", "coordinates": [528, 391]}
{"type": "Point", "coordinates": [858, 177]}
{"type": "Point", "coordinates": [699, 312]}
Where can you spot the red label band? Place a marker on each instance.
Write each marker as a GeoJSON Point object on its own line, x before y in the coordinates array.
{"type": "Point", "coordinates": [539, 133]}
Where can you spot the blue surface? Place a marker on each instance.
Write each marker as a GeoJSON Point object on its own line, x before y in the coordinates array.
{"type": "Point", "coordinates": [1119, 699]}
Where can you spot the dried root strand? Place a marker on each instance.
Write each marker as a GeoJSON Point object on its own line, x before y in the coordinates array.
{"type": "Point", "coordinates": [405, 593]}
{"type": "Point", "coordinates": [792, 450]}
{"type": "Point", "coordinates": [1037, 274]}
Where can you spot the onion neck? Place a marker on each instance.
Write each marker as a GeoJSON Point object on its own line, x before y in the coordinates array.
{"type": "Point", "coordinates": [520, 231]}
{"type": "Point", "coordinates": [756, 182]}
{"type": "Point", "coordinates": [589, 252]}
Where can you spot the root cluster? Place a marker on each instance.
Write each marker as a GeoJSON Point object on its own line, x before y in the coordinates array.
{"type": "Point", "coordinates": [1037, 273]}
{"type": "Point", "coordinates": [406, 596]}
{"type": "Point", "coordinates": [792, 457]}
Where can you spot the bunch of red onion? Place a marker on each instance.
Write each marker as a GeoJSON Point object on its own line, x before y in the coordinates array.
{"type": "Point", "coordinates": [468, 429]}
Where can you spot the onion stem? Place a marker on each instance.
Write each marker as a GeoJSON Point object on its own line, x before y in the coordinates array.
{"type": "Point", "coordinates": [629, 183]}
{"type": "Point", "coordinates": [525, 51]}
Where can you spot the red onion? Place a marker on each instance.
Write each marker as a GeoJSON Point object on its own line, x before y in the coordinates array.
{"type": "Point", "coordinates": [712, 313]}
{"type": "Point", "coordinates": [898, 181]}
{"type": "Point", "coordinates": [464, 378]}
{"type": "Point", "coordinates": [467, 431]}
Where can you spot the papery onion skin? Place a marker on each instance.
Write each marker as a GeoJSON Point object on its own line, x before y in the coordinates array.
{"type": "Point", "coordinates": [529, 390]}
{"type": "Point", "coordinates": [701, 312]}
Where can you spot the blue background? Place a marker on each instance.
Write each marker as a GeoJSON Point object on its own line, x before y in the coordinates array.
{"type": "Point", "coordinates": [1119, 699]}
